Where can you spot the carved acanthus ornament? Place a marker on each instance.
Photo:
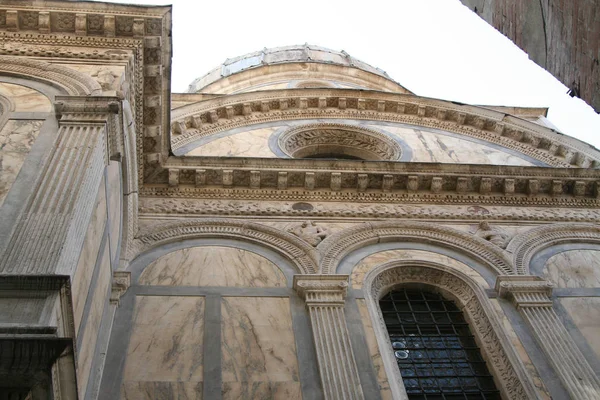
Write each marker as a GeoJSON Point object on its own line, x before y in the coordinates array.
{"type": "Point", "coordinates": [531, 296]}
{"type": "Point", "coordinates": [324, 296]}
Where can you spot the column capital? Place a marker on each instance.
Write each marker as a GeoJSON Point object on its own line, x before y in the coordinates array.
{"type": "Point", "coordinates": [321, 289]}
{"type": "Point", "coordinates": [525, 290]}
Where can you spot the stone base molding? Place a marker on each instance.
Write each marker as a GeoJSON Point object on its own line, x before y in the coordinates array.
{"type": "Point", "coordinates": [531, 296]}
{"type": "Point", "coordinates": [324, 296]}
{"type": "Point", "coordinates": [509, 373]}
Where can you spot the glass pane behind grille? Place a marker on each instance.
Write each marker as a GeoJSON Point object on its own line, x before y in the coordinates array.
{"type": "Point", "coordinates": [434, 348]}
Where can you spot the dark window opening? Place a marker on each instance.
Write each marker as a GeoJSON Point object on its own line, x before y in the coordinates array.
{"type": "Point", "coordinates": [435, 350]}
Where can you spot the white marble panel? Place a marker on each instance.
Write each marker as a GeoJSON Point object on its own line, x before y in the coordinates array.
{"type": "Point", "coordinates": [16, 139]}
{"type": "Point", "coordinates": [161, 390]}
{"type": "Point", "coordinates": [574, 269]}
{"type": "Point", "coordinates": [253, 143]}
{"type": "Point", "coordinates": [366, 264]}
{"type": "Point", "coordinates": [25, 99]}
{"type": "Point", "coordinates": [213, 266]}
{"type": "Point", "coordinates": [585, 313]}
{"type": "Point", "coordinates": [114, 191]}
{"type": "Point", "coordinates": [434, 147]}
{"type": "Point", "coordinates": [258, 349]}
{"type": "Point", "coordinates": [85, 354]}
{"type": "Point", "coordinates": [87, 259]}
{"type": "Point", "coordinates": [166, 341]}
{"type": "Point", "coordinates": [382, 381]}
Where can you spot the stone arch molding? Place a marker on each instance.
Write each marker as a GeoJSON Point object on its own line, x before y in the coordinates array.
{"type": "Point", "coordinates": [526, 245]}
{"type": "Point", "coordinates": [510, 374]}
{"type": "Point", "coordinates": [73, 82]}
{"type": "Point", "coordinates": [335, 247]}
{"type": "Point", "coordinates": [301, 254]}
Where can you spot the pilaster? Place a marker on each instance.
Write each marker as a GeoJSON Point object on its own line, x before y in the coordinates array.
{"type": "Point", "coordinates": [532, 297]}
{"type": "Point", "coordinates": [325, 297]}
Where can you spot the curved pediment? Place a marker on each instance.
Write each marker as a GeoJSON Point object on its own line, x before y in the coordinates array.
{"type": "Point", "coordinates": [203, 121]}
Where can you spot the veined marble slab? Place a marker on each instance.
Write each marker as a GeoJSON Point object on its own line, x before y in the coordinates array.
{"type": "Point", "coordinates": [161, 390]}
{"type": "Point", "coordinates": [16, 139]}
{"type": "Point", "coordinates": [366, 264]}
{"type": "Point", "coordinates": [25, 99]}
{"type": "Point", "coordinates": [258, 349]}
{"type": "Point", "coordinates": [254, 143]}
{"type": "Point", "coordinates": [574, 269]}
{"type": "Point", "coordinates": [213, 266]}
{"type": "Point", "coordinates": [585, 313]}
{"type": "Point", "coordinates": [166, 342]}
{"type": "Point", "coordinates": [382, 381]}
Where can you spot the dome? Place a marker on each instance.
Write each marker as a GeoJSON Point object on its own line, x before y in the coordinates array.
{"type": "Point", "coordinates": [299, 66]}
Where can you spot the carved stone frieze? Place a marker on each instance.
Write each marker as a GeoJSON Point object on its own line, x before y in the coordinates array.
{"type": "Point", "coordinates": [510, 373]}
{"type": "Point", "coordinates": [309, 232]}
{"type": "Point", "coordinates": [493, 234]}
{"type": "Point", "coordinates": [373, 208]}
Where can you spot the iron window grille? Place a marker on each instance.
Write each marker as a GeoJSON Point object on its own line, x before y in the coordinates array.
{"type": "Point", "coordinates": [434, 348]}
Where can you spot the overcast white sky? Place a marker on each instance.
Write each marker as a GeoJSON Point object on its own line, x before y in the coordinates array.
{"type": "Point", "coordinates": [435, 48]}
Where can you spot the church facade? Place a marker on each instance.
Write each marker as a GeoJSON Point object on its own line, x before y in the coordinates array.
{"type": "Point", "coordinates": [298, 225]}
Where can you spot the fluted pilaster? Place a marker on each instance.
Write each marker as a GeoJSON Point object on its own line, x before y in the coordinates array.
{"type": "Point", "coordinates": [531, 295]}
{"type": "Point", "coordinates": [324, 296]}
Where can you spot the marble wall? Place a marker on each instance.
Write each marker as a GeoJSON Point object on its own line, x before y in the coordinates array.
{"type": "Point", "coordinates": [82, 276]}
{"type": "Point", "coordinates": [114, 195]}
{"type": "Point", "coordinates": [258, 349]}
{"type": "Point", "coordinates": [574, 269]}
{"type": "Point", "coordinates": [165, 353]}
{"type": "Point", "coordinates": [585, 314]}
{"type": "Point", "coordinates": [213, 266]}
{"type": "Point", "coordinates": [16, 139]}
{"type": "Point", "coordinates": [373, 347]}
{"type": "Point", "coordinates": [425, 146]}
{"type": "Point", "coordinates": [24, 98]}
{"type": "Point", "coordinates": [366, 264]}
{"type": "Point", "coordinates": [253, 143]}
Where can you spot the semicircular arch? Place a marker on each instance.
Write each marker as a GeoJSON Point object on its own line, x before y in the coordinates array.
{"type": "Point", "coordinates": [526, 245]}
{"type": "Point", "coordinates": [511, 375]}
{"type": "Point", "coordinates": [298, 252]}
{"type": "Point", "coordinates": [73, 82]}
{"type": "Point", "coordinates": [335, 247]}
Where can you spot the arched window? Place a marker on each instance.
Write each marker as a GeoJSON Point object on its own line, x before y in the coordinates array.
{"type": "Point", "coordinates": [434, 348]}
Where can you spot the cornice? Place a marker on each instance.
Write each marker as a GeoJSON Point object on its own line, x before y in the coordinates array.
{"type": "Point", "coordinates": [312, 180]}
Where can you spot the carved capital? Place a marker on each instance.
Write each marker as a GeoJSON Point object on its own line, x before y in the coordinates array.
{"type": "Point", "coordinates": [120, 283]}
{"type": "Point", "coordinates": [319, 290]}
{"type": "Point", "coordinates": [525, 290]}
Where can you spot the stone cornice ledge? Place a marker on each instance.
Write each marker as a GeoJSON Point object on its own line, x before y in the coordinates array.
{"type": "Point", "coordinates": [284, 179]}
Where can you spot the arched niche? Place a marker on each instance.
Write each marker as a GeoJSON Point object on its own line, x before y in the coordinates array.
{"type": "Point", "coordinates": [509, 373]}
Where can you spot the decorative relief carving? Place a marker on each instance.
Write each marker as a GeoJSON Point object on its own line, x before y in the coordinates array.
{"type": "Point", "coordinates": [300, 253]}
{"type": "Point", "coordinates": [509, 371]}
{"type": "Point", "coordinates": [314, 139]}
{"type": "Point", "coordinates": [525, 245]}
{"type": "Point", "coordinates": [309, 232]}
{"type": "Point", "coordinates": [340, 244]}
{"type": "Point", "coordinates": [120, 283]}
{"type": "Point", "coordinates": [493, 234]}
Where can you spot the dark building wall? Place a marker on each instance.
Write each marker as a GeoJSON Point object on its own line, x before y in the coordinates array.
{"type": "Point", "coordinates": [562, 36]}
